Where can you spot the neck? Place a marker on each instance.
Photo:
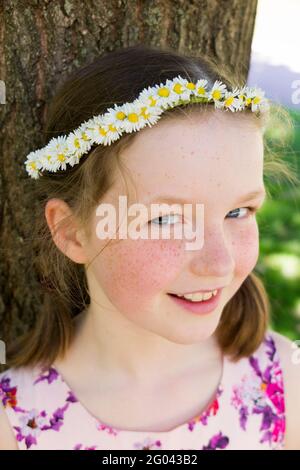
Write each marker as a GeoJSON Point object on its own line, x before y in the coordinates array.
{"type": "Point", "coordinates": [107, 343]}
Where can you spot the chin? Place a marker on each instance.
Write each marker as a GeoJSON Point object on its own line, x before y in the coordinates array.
{"type": "Point", "coordinates": [192, 334]}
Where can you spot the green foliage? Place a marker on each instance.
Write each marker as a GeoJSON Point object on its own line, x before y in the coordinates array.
{"type": "Point", "coordinates": [279, 226]}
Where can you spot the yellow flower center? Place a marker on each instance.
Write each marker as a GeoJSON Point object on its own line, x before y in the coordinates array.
{"type": "Point", "coordinates": [33, 165]}
{"type": "Point", "coordinates": [120, 115]}
{"type": "Point", "coordinates": [132, 117]}
{"type": "Point", "coordinates": [177, 88]}
{"type": "Point", "coordinates": [145, 113]}
{"type": "Point", "coordinates": [201, 90]}
{"type": "Point", "coordinates": [84, 136]}
{"type": "Point", "coordinates": [76, 143]}
{"type": "Point", "coordinates": [216, 94]}
{"type": "Point", "coordinates": [191, 86]}
{"type": "Point", "coordinates": [61, 157]}
{"type": "Point", "coordinates": [229, 101]}
{"type": "Point", "coordinates": [256, 100]}
{"type": "Point", "coordinates": [112, 128]}
{"type": "Point", "coordinates": [164, 92]}
{"type": "Point", "coordinates": [102, 131]}
{"type": "Point", "coordinates": [152, 101]}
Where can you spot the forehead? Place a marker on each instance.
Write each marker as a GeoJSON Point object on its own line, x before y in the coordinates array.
{"type": "Point", "coordinates": [197, 154]}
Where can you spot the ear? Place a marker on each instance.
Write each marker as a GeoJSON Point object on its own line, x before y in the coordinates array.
{"type": "Point", "coordinates": [65, 230]}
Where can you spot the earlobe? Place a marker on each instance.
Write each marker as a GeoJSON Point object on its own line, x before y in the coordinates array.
{"type": "Point", "coordinates": [64, 230]}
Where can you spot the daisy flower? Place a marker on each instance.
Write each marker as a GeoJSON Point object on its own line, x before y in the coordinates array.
{"type": "Point", "coordinates": [258, 98]}
{"type": "Point", "coordinates": [117, 113]}
{"type": "Point", "coordinates": [78, 144]}
{"type": "Point", "coordinates": [166, 96]}
{"type": "Point", "coordinates": [131, 117]}
{"type": "Point", "coordinates": [201, 88]}
{"type": "Point", "coordinates": [103, 131]}
{"type": "Point", "coordinates": [149, 97]}
{"type": "Point", "coordinates": [33, 164]}
{"type": "Point", "coordinates": [55, 156]}
{"type": "Point", "coordinates": [230, 101]}
{"type": "Point", "coordinates": [179, 87]}
{"type": "Point", "coordinates": [217, 92]}
{"type": "Point", "coordinates": [134, 120]}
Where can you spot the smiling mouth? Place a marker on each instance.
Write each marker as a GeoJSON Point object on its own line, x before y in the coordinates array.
{"type": "Point", "coordinates": [196, 297]}
{"type": "Point", "coordinates": [195, 301]}
{"type": "Point", "coordinates": [199, 307]}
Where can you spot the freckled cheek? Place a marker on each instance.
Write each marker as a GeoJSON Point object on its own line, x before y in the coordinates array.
{"type": "Point", "coordinates": [132, 272]}
{"type": "Point", "coordinates": [246, 249]}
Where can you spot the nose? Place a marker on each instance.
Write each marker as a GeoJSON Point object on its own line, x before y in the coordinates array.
{"type": "Point", "coordinates": [215, 257]}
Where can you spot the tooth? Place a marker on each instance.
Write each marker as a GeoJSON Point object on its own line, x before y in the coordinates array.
{"type": "Point", "coordinates": [189, 296]}
{"type": "Point", "coordinates": [207, 296]}
{"type": "Point", "coordinates": [199, 296]}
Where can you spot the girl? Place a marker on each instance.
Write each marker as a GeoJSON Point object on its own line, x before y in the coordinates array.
{"type": "Point", "coordinates": [144, 342]}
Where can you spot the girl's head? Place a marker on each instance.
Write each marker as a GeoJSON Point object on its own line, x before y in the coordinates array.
{"type": "Point", "coordinates": [194, 154]}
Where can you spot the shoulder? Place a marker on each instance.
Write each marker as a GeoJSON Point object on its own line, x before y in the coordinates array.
{"type": "Point", "coordinates": [7, 438]}
{"type": "Point", "coordinates": [289, 357]}
{"type": "Point", "coordinates": [18, 397]}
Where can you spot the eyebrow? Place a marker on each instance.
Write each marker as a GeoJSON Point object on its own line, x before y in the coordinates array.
{"type": "Point", "coordinates": [253, 195]}
{"type": "Point", "coordinates": [172, 199]}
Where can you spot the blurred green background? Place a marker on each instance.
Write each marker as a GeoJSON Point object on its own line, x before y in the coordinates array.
{"type": "Point", "coordinates": [279, 225]}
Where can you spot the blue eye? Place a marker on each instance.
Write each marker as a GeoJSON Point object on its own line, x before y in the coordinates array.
{"type": "Point", "coordinates": [252, 210]}
{"type": "Point", "coordinates": [162, 218]}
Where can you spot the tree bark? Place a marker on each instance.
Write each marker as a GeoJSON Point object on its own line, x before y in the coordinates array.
{"type": "Point", "coordinates": [42, 40]}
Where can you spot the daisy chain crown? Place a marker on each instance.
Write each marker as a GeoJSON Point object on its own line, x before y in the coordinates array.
{"type": "Point", "coordinates": [131, 117]}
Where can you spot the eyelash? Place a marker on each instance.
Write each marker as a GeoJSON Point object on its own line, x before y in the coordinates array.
{"type": "Point", "coordinates": [251, 209]}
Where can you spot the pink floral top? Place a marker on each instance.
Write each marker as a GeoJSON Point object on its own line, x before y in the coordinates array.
{"type": "Point", "coordinates": [247, 411]}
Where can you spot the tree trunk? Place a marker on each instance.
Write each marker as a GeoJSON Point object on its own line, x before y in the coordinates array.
{"type": "Point", "coordinates": [40, 42]}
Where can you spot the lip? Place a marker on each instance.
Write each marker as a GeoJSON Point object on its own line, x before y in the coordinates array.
{"type": "Point", "coordinates": [201, 308]}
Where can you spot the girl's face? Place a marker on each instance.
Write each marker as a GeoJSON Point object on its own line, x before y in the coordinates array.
{"type": "Point", "coordinates": [216, 160]}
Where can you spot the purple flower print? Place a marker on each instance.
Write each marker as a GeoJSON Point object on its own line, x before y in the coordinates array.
{"type": "Point", "coordinates": [108, 429]}
{"type": "Point", "coordinates": [71, 397]}
{"type": "Point", "coordinates": [50, 375]}
{"type": "Point", "coordinates": [210, 411]}
{"type": "Point", "coordinates": [8, 394]}
{"type": "Point", "coordinates": [31, 424]}
{"type": "Point", "coordinates": [247, 392]}
{"type": "Point", "coordinates": [271, 348]}
{"type": "Point", "coordinates": [262, 393]}
{"type": "Point", "coordinates": [79, 447]}
{"type": "Point", "coordinates": [219, 441]}
{"type": "Point", "coordinates": [147, 444]}
{"type": "Point", "coordinates": [243, 416]}
{"type": "Point", "coordinates": [57, 419]}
